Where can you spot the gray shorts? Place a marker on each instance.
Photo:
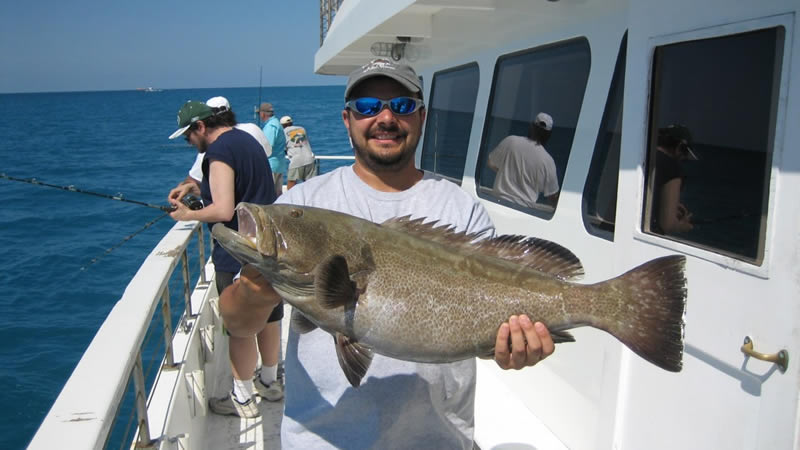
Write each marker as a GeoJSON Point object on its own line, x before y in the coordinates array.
{"type": "Point", "coordinates": [302, 173]}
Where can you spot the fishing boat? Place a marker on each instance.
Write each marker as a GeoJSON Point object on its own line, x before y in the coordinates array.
{"type": "Point", "coordinates": [612, 75]}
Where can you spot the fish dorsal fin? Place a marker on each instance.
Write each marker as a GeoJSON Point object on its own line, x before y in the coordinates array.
{"type": "Point", "coordinates": [354, 358]}
{"type": "Point", "coordinates": [332, 284]}
{"type": "Point", "coordinates": [300, 322]}
{"type": "Point", "coordinates": [432, 231]}
{"type": "Point", "coordinates": [538, 254]}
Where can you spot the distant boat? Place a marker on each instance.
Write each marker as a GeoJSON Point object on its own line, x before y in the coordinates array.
{"type": "Point", "coordinates": [149, 89]}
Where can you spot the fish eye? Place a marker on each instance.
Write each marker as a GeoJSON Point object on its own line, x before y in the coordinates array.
{"type": "Point", "coordinates": [296, 213]}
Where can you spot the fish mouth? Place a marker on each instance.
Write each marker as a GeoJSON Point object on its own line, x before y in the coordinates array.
{"type": "Point", "coordinates": [247, 226]}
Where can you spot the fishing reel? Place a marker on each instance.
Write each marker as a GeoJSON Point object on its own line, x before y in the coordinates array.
{"type": "Point", "coordinates": [192, 202]}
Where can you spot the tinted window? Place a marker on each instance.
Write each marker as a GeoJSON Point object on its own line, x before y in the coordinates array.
{"type": "Point", "coordinates": [549, 80]}
{"type": "Point", "coordinates": [713, 111]}
{"type": "Point", "coordinates": [449, 121]}
{"type": "Point", "coordinates": [600, 190]}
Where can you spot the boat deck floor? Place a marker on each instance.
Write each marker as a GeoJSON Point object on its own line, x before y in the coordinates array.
{"type": "Point", "coordinates": [231, 432]}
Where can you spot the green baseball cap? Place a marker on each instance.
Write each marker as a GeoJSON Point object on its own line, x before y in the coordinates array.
{"type": "Point", "coordinates": [190, 113]}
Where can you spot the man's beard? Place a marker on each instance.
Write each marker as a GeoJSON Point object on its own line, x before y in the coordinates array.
{"type": "Point", "coordinates": [385, 163]}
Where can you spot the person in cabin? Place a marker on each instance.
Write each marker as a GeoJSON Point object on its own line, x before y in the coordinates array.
{"type": "Point", "coordinates": [399, 404]}
{"type": "Point", "coordinates": [668, 215]}
{"type": "Point", "coordinates": [302, 165]}
{"type": "Point", "coordinates": [524, 168]}
{"type": "Point", "coordinates": [233, 171]}
{"type": "Point", "coordinates": [221, 106]}
{"type": "Point", "coordinates": [277, 139]}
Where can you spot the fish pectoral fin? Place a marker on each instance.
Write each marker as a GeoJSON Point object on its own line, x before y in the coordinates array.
{"type": "Point", "coordinates": [300, 322]}
{"type": "Point", "coordinates": [354, 358]}
{"type": "Point", "coordinates": [560, 337]}
{"type": "Point", "coordinates": [332, 284]}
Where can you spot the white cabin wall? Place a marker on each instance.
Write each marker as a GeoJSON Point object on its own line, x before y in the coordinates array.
{"type": "Point", "coordinates": [728, 299]}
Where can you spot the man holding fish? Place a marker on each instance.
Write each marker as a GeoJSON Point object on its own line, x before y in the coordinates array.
{"type": "Point", "coordinates": [398, 403]}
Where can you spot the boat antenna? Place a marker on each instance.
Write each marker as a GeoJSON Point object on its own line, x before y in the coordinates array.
{"type": "Point", "coordinates": [72, 188]}
{"type": "Point", "coordinates": [126, 239]}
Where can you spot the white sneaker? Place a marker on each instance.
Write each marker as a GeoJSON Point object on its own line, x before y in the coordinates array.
{"type": "Point", "coordinates": [229, 406]}
{"type": "Point", "coordinates": [271, 392]}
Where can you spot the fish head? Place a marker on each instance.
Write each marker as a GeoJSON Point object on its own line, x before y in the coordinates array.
{"type": "Point", "coordinates": [284, 238]}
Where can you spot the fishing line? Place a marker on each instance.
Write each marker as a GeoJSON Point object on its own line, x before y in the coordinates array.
{"type": "Point", "coordinates": [72, 188]}
{"type": "Point", "coordinates": [127, 238]}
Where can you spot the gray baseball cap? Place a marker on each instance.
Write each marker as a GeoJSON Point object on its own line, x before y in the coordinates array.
{"type": "Point", "coordinates": [401, 73]}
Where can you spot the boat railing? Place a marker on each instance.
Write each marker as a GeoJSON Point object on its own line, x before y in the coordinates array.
{"type": "Point", "coordinates": [331, 160]}
{"type": "Point", "coordinates": [86, 411]}
{"type": "Point", "coordinates": [327, 11]}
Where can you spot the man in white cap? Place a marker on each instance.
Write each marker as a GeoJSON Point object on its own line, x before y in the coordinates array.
{"type": "Point", "coordinates": [298, 149]}
{"type": "Point", "coordinates": [221, 106]}
{"type": "Point", "coordinates": [399, 404]}
{"type": "Point", "coordinates": [524, 168]}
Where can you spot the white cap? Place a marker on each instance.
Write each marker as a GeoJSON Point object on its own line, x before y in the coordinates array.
{"type": "Point", "coordinates": [543, 120]}
{"type": "Point", "coordinates": [220, 103]}
{"type": "Point", "coordinates": [286, 120]}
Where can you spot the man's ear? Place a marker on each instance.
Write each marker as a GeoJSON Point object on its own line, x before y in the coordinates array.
{"type": "Point", "coordinates": [345, 114]}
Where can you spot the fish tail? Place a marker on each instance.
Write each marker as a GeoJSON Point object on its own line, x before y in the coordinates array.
{"type": "Point", "coordinates": [651, 320]}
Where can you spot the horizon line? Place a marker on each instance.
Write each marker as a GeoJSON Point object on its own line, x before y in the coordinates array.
{"type": "Point", "coordinates": [167, 89]}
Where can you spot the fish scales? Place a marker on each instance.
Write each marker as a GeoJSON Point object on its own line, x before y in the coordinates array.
{"type": "Point", "coordinates": [413, 291]}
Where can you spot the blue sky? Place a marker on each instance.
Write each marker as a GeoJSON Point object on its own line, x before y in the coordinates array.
{"type": "Point", "coordinates": [87, 45]}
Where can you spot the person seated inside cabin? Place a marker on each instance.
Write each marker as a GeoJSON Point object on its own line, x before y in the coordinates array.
{"type": "Point", "coordinates": [668, 214]}
{"type": "Point", "coordinates": [524, 168]}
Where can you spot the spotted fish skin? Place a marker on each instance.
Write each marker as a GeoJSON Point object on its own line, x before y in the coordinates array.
{"type": "Point", "coordinates": [421, 292]}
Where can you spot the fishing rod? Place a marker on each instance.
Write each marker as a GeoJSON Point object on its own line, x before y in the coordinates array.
{"type": "Point", "coordinates": [258, 105]}
{"type": "Point", "coordinates": [126, 239]}
{"type": "Point", "coordinates": [72, 188]}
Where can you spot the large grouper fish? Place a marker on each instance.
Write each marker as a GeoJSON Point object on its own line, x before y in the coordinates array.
{"type": "Point", "coordinates": [421, 292]}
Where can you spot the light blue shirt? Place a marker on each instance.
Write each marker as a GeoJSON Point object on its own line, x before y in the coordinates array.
{"type": "Point", "coordinates": [274, 132]}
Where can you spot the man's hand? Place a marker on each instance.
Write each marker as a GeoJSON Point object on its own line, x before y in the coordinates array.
{"type": "Point", "coordinates": [529, 343]}
{"type": "Point", "coordinates": [178, 192]}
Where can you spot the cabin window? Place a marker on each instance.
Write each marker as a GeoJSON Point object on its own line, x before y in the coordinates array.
{"type": "Point", "coordinates": [536, 93]}
{"type": "Point", "coordinates": [449, 121]}
{"type": "Point", "coordinates": [600, 191]}
{"type": "Point", "coordinates": [712, 123]}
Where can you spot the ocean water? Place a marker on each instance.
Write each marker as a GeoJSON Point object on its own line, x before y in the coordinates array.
{"type": "Point", "coordinates": [111, 143]}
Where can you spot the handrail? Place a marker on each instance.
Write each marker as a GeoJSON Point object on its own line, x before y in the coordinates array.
{"type": "Point", "coordinates": [83, 414]}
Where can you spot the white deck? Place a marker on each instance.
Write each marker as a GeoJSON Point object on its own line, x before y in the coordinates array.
{"type": "Point", "coordinates": [229, 432]}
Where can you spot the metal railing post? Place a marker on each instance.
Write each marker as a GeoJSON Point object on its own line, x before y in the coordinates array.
{"type": "Point", "coordinates": [187, 294]}
{"type": "Point", "coordinates": [141, 404]}
{"type": "Point", "coordinates": [201, 245]}
{"type": "Point", "coordinates": [167, 328]}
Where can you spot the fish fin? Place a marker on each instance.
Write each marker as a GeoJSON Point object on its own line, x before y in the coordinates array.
{"type": "Point", "coordinates": [300, 323]}
{"type": "Point", "coordinates": [538, 254]}
{"type": "Point", "coordinates": [354, 358]}
{"type": "Point", "coordinates": [651, 323]}
{"type": "Point", "coordinates": [559, 337]}
{"type": "Point", "coordinates": [432, 231]}
{"type": "Point", "coordinates": [332, 285]}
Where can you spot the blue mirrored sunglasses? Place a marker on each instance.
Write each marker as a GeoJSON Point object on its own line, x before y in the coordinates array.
{"type": "Point", "coordinates": [371, 106]}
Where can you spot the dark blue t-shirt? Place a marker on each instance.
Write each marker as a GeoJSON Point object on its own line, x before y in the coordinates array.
{"type": "Point", "coordinates": [252, 181]}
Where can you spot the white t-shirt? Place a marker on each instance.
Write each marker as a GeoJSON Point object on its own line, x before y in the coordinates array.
{"type": "Point", "coordinates": [525, 169]}
{"type": "Point", "coordinates": [400, 404]}
{"type": "Point", "coordinates": [252, 129]}
{"type": "Point", "coordinates": [298, 148]}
